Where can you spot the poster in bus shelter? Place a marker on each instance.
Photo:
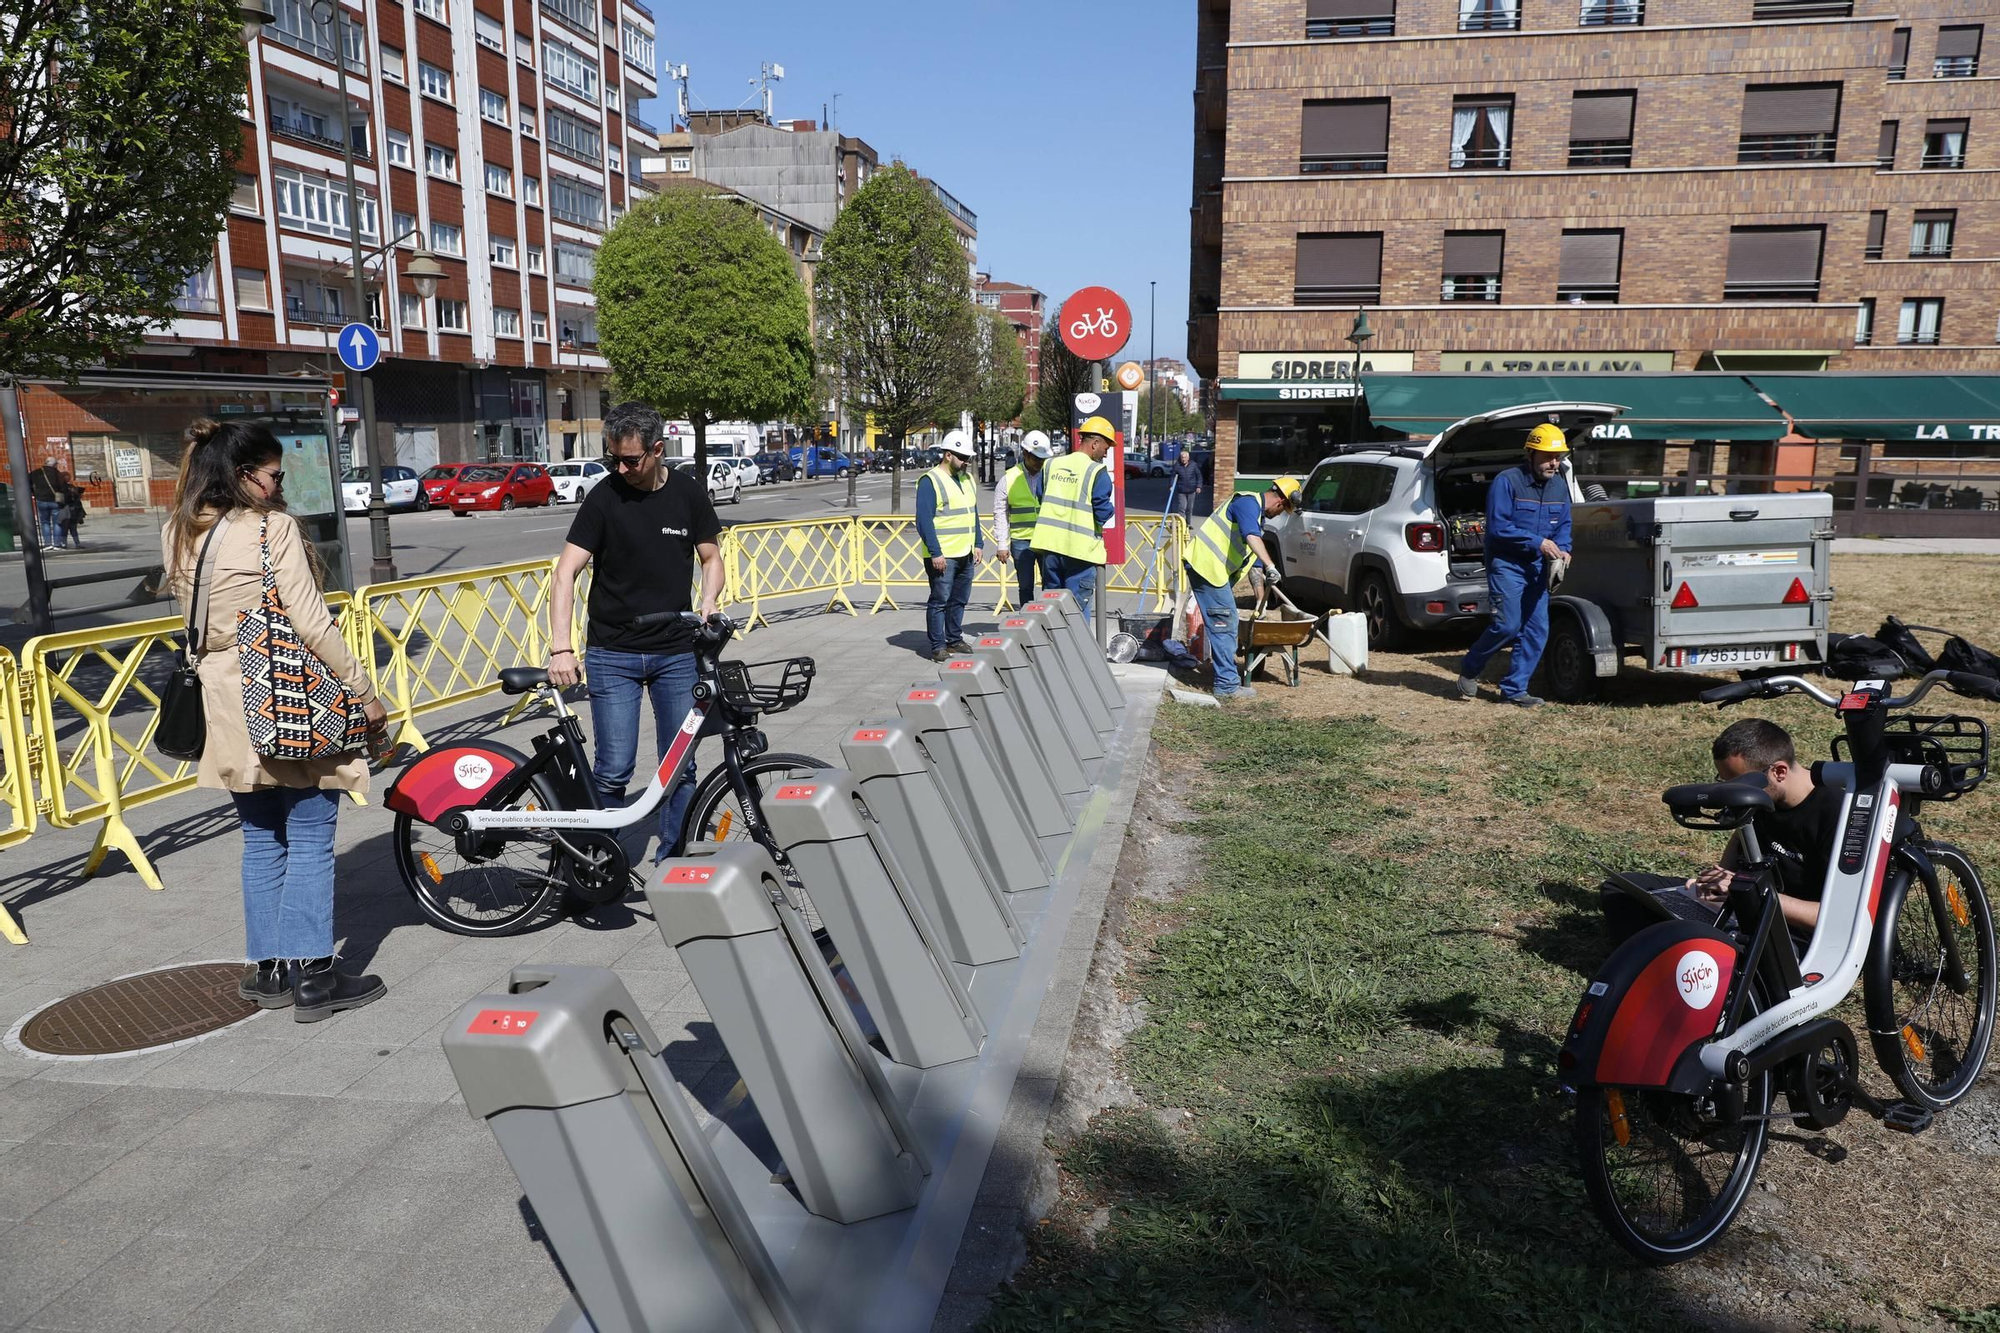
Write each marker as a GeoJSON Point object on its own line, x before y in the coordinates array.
{"type": "Point", "coordinates": [1122, 410]}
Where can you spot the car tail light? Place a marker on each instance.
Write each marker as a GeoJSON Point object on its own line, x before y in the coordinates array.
{"type": "Point", "coordinates": [1434, 608]}
{"type": "Point", "coordinates": [1424, 536]}
{"type": "Point", "coordinates": [1797, 594]}
{"type": "Point", "coordinates": [1685, 598]}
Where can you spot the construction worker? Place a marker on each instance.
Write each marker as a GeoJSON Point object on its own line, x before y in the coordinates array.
{"type": "Point", "coordinates": [1217, 555]}
{"type": "Point", "coordinates": [1527, 527]}
{"type": "Point", "coordinates": [1017, 502]}
{"type": "Point", "coordinates": [1076, 504]}
{"type": "Point", "coordinates": [948, 524]}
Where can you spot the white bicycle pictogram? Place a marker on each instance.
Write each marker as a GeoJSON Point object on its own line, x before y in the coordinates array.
{"type": "Point", "coordinates": [1087, 326]}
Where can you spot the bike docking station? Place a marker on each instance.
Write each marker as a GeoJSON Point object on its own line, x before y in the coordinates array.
{"type": "Point", "coordinates": [1006, 734]}
{"type": "Point", "coordinates": [1089, 654]}
{"type": "Point", "coordinates": [1003, 833]}
{"type": "Point", "coordinates": [1007, 658]}
{"type": "Point", "coordinates": [1074, 662]}
{"type": "Point", "coordinates": [1051, 670]}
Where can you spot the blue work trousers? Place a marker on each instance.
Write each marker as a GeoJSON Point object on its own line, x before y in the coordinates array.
{"type": "Point", "coordinates": [1067, 571]}
{"type": "Point", "coordinates": [1519, 594]}
{"type": "Point", "coordinates": [1218, 615]}
{"type": "Point", "coordinates": [944, 609]}
{"type": "Point", "coordinates": [617, 681]}
{"type": "Point", "coordinates": [287, 871]}
{"type": "Point", "coordinates": [1026, 566]}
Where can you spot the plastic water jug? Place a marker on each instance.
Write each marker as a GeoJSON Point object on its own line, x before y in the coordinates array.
{"type": "Point", "coordinates": [1347, 636]}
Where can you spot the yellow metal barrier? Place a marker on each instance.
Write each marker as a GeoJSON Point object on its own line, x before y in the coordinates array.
{"type": "Point", "coordinates": [889, 554]}
{"type": "Point", "coordinates": [17, 791]}
{"type": "Point", "coordinates": [769, 560]}
{"type": "Point", "coordinates": [1154, 545]}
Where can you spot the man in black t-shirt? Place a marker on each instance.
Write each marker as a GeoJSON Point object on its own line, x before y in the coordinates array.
{"type": "Point", "coordinates": [645, 527]}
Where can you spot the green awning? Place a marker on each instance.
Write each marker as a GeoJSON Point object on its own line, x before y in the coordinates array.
{"type": "Point", "coordinates": [1893, 406]}
{"type": "Point", "coordinates": [1664, 406]}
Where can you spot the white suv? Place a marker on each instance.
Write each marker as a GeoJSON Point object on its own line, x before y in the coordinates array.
{"type": "Point", "coordinates": [1397, 531]}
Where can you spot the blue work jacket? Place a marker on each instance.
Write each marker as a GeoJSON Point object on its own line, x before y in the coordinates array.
{"type": "Point", "coordinates": [1521, 512]}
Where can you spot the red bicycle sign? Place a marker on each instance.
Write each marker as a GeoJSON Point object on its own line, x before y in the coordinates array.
{"type": "Point", "coordinates": [1095, 323]}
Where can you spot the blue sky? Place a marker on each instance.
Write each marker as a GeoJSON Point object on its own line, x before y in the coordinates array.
{"type": "Point", "coordinates": [1025, 110]}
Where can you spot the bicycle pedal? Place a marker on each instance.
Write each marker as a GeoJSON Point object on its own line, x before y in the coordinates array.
{"type": "Point", "coordinates": [1906, 1117]}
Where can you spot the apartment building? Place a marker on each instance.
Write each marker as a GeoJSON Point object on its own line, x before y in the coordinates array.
{"type": "Point", "coordinates": [1024, 308]}
{"type": "Point", "coordinates": [790, 166]}
{"type": "Point", "coordinates": [1582, 186]}
{"type": "Point", "coordinates": [499, 135]}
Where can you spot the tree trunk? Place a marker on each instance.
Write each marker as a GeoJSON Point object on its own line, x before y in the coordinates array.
{"type": "Point", "coordinates": [896, 473]}
{"type": "Point", "coordinates": [699, 420]}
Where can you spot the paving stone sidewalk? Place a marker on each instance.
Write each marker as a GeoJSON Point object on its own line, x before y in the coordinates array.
{"type": "Point", "coordinates": [326, 1176]}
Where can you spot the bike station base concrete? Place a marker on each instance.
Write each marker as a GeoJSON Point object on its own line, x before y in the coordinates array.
{"type": "Point", "coordinates": [327, 1175]}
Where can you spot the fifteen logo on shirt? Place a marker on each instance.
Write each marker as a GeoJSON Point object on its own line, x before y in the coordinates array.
{"type": "Point", "coordinates": [673, 532]}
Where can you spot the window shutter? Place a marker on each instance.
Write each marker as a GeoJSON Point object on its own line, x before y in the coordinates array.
{"type": "Point", "coordinates": [1958, 41]}
{"type": "Point", "coordinates": [1899, 48]}
{"type": "Point", "coordinates": [1590, 257]}
{"type": "Point", "coordinates": [1945, 127]}
{"type": "Point", "coordinates": [1600, 116]}
{"type": "Point", "coordinates": [1349, 9]}
{"type": "Point", "coordinates": [1885, 146]}
{"type": "Point", "coordinates": [1927, 216]}
{"type": "Point", "coordinates": [1472, 254]}
{"type": "Point", "coordinates": [1791, 108]}
{"type": "Point", "coordinates": [1339, 261]}
{"type": "Point", "coordinates": [1774, 254]}
{"type": "Point", "coordinates": [1345, 129]}
{"type": "Point", "coordinates": [1878, 225]}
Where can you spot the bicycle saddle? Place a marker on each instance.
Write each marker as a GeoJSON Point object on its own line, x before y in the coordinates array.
{"type": "Point", "coordinates": [1718, 804]}
{"type": "Point", "coordinates": [519, 680]}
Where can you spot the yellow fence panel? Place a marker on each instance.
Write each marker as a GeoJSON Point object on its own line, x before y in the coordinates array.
{"type": "Point", "coordinates": [1154, 547]}
{"type": "Point", "coordinates": [889, 554]}
{"type": "Point", "coordinates": [766, 561]}
{"type": "Point", "coordinates": [17, 789]}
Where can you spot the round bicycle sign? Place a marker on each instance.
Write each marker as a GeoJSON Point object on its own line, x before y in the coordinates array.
{"type": "Point", "coordinates": [1095, 323]}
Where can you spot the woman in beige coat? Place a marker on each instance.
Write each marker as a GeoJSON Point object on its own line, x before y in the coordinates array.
{"type": "Point", "coordinates": [231, 487]}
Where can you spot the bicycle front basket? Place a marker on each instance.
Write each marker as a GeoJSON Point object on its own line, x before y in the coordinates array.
{"type": "Point", "coordinates": [1955, 744]}
{"type": "Point", "coordinates": [790, 689]}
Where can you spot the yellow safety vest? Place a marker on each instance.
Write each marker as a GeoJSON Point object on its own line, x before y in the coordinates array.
{"type": "Point", "coordinates": [1023, 505]}
{"type": "Point", "coordinates": [957, 516]}
{"type": "Point", "coordinates": [1218, 552]}
{"type": "Point", "coordinates": [1066, 524]}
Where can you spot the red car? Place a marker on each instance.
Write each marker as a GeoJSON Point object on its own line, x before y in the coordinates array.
{"type": "Point", "coordinates": [437, 481]}
{"type": "Point", "coordinates": [501, 486]}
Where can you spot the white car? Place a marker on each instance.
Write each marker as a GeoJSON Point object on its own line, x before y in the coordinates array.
{"type": "Point", "coordinates": [576, 479]}
{"type": "Point", "coordinates": [745, 470]}
{"type": "Point", "coordinates": [400, 489]}
{"type": "Point", "coordinates": [723, 485]}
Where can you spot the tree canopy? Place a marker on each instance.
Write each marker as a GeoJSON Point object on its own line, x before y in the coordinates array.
{"type": "Point", "coordinates": [1003, 370]}
{"type": "Point", "coordinates": [119, 134]}
{"type": "Point", "coordinates": [701, 313]}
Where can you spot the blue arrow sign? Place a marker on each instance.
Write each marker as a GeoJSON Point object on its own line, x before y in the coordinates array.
{"type": "Point", "coordinates": [359, 346]}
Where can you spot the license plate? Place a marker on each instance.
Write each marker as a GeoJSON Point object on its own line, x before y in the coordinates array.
{"type": "Point", "coordinates": [1731, 656]}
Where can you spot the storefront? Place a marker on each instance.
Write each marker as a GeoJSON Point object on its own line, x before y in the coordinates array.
{"type": "Point", "coordinates": [1291, 409]}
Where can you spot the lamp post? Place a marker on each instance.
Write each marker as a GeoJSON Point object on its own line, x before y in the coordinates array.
{"type": "Point", "coordinates": [1358, 335]}
{"type": "Point", "coordinates": [1152, 372]}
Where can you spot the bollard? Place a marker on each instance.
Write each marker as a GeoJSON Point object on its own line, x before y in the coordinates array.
{"type": "Point", "coordinates": [850, 1156]}
{"type": "Point", "coordinates": [1050, 668]}
{"type": "Point", "coordinates": [903, 970]}
{"type": "Point", "coordinates": [1006, 734]}
{"type": "Point", "coordinates": [566, 1072]}
{"type": "Point", "coordinates": [1091, 651]}
{"type": "Point", "coordinates": [932, 843]}
{"type": "Point", "coordinates": [967, 771]}
{"type": "Point", "coordinates": [1010, 659]}
{"type": "Point", "coordinates": [1074, 664]}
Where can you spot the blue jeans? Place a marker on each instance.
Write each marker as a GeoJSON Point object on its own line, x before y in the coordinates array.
{"type": "Point", "coordinates": [1067, 571]}
{"type": "Point", "coordinates": [48, 520]}
{"type": "Point", "coordinates": [944, 610]}
{"type": "Point", "coordinates": [1218, 614]}
{"type": "Point", "coordinates": [1025, 569]}
{"type": "Point", "coordinates": [617, 679]}
{"type": "Point", "coordinates": [1520, 597]}
{"type": "Point", "coordinates": [287, 871]}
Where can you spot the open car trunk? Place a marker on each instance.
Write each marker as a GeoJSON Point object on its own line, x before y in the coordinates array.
{"type": "Point", "coordinates": [1466, 456]}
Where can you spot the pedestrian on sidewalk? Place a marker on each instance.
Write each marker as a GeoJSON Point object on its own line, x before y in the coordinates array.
{"type": "Point", "coordinates": [231, 488]}
{"type": "Point", "coordinates": [1017, 503]}
{"type": "Point", "coordinates": [646, 526]}
{"type": "Point", "coordinates": [1076, 504]}
{"type": "Point", "coordinates": [948, 526]}
{"type": "Point", "coordinates": [1216, 558]}
{"type": "Point", "coordinates": [50, 488]}
{"type": "Point", "coordinates": [1527, 532]}
{"type": "Point", "coordinates": [1187, 485]}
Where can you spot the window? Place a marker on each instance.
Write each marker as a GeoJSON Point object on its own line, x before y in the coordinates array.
{"type": "Point", "coordinates": [1801, 9]}
{"type": "Point", "coordinates": [431, 9]}
{"type": "Point", "coordinates": [410, 310]}
{"type": "Point", "coordinates": [488, 32]}
{"type": "Point", "coordinates": [1918, 322]}
{"type": "Point", "coordinates": [1472, 265]}
{"type": "Point", "coordinates": [531, 190]}
{"type": "Point", "coordinates": [575, 263]}
{"type": "Point", "coordinates": [1600, 129]}
{"type": "Point", "coordinates": [433, 82]}
{"type": "Point", "coordinates": [1878, 228]}
{"type": "Point", "coordinates": [528, 122]}
{"type": "Point", "coordinates": [506, 323]}
{"type": "Point", "coordinates": [440, 162]}
{"type": "Point", "coordinates": [1864, 322]}
{"type": "Point", "coordinates": [406, 230]}
{"type": "Point", "coordinates": [447, 238]}
{"type": "Point", "coordinates": [392, 63]}
{"type": "Point", "coordinates": [638, 47]}
{"type": "Point", "coordinates": [570, 70]}
{"type": "Point", "coordinates": [1481, 133]}
{"type": "Point", "coordinates": [399, 149]}
{"type": "Point", "coordinates": [244, 198]}
{"type": "Point", "coordinates": [1885, 146]}
{"type": "Point", "coordinates": [253, 289]}
{"type": "Point", "coordinates": [1350, 18]}
{"type": "Point", "coordinates": [611, 95]}
{"type": "Point", "coordinates": [1587, 267]}
{"type": "Point", "coordinates": [1899, 53]}
{"type": "Point", "coordinates": [1773, 264]}
{"type": "Point", "coordinates": [579, 14]}
{"type": "Point", "coordinates": [294, 25]}
{"type": "Point", "coordinates": [314, 303]}
{"type": "Point", "coordinates": [1789, 122]}
{"type": "Point", "coordinates": [1349, 488]}
{"type": "Point", "coordinates": [681, 163]}
{"type": "Point", "coordinates": [535, 264]}
{"type": "Point", "coordinates": [453, 316]}
{"type": "Point", "coordinates": [1957, 51]}
{"type": "Point", "coordinates": [197, 293]}
{"type": "Point", "coordinates": [500, 250]}
{"type": "Point", "coordinates": [316, 204]}
{"type": "Point", "coordinates": [1489, 15]}
{"type": "Point", "coordinates": [575, 202]}
{"type": "Point", "coordinates": [1343, 136]}
{"type": "Point", "coordinates": [1930, 233]}
{"type": "Point", "coordinates": [575, 137]}
{"type": "Point", "coordinates": [1605, 13]}
{"type": "Point", "coordinates": [538, 327]}
{"type": "Point", "coordinates": [499, 180]}
{"type": "Point", "coordinates": [493, 106]}
{"type": "Point", "coordinates": [1944, 145]}
{"type": "Point", "coordinates": [578, 324]}
{"type": "Point", "coordinates": [613, 160]}
{"type": "Point", "coordinates": [1340, 268]}
{"type": "Point", "coordinates": [524, 49]}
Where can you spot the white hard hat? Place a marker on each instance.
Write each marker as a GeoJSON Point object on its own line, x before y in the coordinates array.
{"type": "Point", "coordinates": [957, 442]}
{"type": "Point", "coordinates": [1037, 443]}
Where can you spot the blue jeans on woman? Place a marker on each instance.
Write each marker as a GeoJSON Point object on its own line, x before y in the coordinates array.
{"type": "Point", "coordinates": [617, 680]}
{"type": "Point", "coordinates": [48, 519]}
{"type": "Point", "coordinates": [944, 609]}
{"type": "Point", "coordinates": [288, 871]}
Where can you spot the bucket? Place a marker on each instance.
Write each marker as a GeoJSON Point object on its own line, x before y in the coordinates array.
{"type": "Point", "coordinates": [1149, 631]}
{"type": "Point", "coordinates": [1347, 638]}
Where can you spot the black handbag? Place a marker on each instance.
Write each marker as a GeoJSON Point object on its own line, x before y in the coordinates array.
{"type": "Point", "coordinates": [182, 731]}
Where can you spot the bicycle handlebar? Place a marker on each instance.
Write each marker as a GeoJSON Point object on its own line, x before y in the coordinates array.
{"type": "Point", "coordinates": [1771, 687]}
{"type": "Point", "coordinates": [711, 629]}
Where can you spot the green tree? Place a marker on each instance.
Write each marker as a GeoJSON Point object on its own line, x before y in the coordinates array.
{"type": "Point", "coordinates": [1172, 418]}
{"type": "Point", "coordinates": [895, 309]}
{"type": "Point", "coordinates": [701, 314]}
{"type": "Point", "coordinates": [1003, 372]}
{"type": "Point", "coordinates": [1064, 375]}
{"type": "Point", "coordinates": [118, 143]}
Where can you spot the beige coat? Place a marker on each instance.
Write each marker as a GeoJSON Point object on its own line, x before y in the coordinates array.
{"type": "Point", "coordinates": [233, 584]}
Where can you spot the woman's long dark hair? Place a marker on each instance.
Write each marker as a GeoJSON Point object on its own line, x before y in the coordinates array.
{"type": "Point", "coordinates": [213, 480]}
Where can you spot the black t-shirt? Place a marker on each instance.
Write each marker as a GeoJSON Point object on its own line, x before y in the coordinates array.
{"type": "Point", "coordinates": [1802, 841]}
{"type": "Point", "coordinates": [641, 545]}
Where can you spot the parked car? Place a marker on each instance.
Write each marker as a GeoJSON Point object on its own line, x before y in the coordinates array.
{"type": "Point", "coordinates": [437, 480]}
{"type": "Point", "coordinates": [723, 487]}
{"type": "Point", "coordinates": [400, 489]}
{"type": "Point", "coordinates": [821, 460]}
{"type": "Point", "coordinates": [744, 469]}
{"type": "Point", "coordinates": [775, 465]}
{"type": "Point", "coordinates": [576, 479]}
{"type": "Point", "coordinates": [1138, 465]}
{"type": "Point", "coordinates": [501, 486]}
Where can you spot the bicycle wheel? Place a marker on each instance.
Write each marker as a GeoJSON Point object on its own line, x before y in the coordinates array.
{"type": "Point", "coordinates": [715, 815]}
{"type": "Point", "coordinates": [497, 896]}
{"type": "Point", "coordinates": [1931, 1039]}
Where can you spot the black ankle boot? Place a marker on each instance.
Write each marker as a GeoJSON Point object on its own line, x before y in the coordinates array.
{"type": "Point", "coordinates": [320, 992]}
{"type": "Point", "coordinates": [268, 984]}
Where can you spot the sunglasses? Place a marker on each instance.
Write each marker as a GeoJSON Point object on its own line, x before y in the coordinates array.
{"type": "Point", "coordinates": [276, 475]}
{"type": "Point", "coordinates": [627, 462]}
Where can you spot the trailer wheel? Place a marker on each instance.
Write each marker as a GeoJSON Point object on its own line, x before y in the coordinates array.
{"type": "Point", "coordinates": [1569, 669]}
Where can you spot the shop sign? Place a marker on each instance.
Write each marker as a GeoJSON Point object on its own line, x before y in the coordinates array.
{"type": "Point", "coordinates": [1556, 363]}
{"type": "Point", "coordinates": [1320, 367]}
{"type": "Point", "coordinates": [1966, 431]}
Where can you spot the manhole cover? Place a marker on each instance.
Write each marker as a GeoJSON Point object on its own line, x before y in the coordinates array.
{"type": "Point", "coordinates": [141, 1012]}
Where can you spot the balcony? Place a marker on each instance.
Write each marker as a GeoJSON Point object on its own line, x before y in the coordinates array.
{"type": "Point", "coordinates": [315, 137]}
{"type": "Point", "coordinates": [300, 311]}
{"type": "Point", "coordinates": [1339, 294]}
{"type": "Point", "coordinates": [1343, 162]}
{"type": "Point", "coordinates": [1358, 25]}
{"type": "Point", "coordinates": [577, 14]}
{"type": "Point", "coordinates": [1482, 159]}
{"type": "Point", "coordinates": [1955, 67]}
{"type": "Point", "coordinates": [1601, 153]}
{"type": "Point", "coordinates": [197, 305]}
{"type": "Point", "coordinates": [1801, 9]}
{"type": "Point", "coordinates": [1943, 160]}
{"type": "Point", "coordinates": [1490, 20]}
{"type": "Point", "coordinates": [1612, 13]}
{"type": "Point", "coordinates": [1916, 338]}
{"type": "Point", "coordinates": [1478, 288]}
{"type": "Point", "coordinates": [1934, 250]}
{"type": "Point", "coordinates": [1785, 148]}
{"type": "Point", "coordinates": [1775, 290]}
{"type": "Point", "coordinates": [1587, 293]}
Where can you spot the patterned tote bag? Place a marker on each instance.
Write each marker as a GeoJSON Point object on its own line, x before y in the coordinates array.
{"type": "Point", "coordinates": [295, 707]}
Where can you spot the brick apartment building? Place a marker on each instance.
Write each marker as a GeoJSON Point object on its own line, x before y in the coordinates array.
{"type": "Point", "coordinates": [1023, 307]}
{"type": "Point", "coordinates": [498, 134]}
{"type": "Point", "coordinates": [1584, 185]}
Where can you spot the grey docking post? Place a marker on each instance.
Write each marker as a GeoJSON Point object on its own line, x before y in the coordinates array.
{"type": "Point", "coordinates": [970, 775]}
{"type": "Point", "coordinates": [1052, 670]}
{"type": "Point", "coordinates": [1006, 733]}
{"type": "Point", "coordinates": [1004, 651]}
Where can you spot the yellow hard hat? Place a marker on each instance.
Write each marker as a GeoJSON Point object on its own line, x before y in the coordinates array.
{"type": "Point", "coordinates": [1287, 487]}
{"type": "Point", "coordinates": [1548, 439]}
{"type": "Point", "coordinates": [1099, 426]}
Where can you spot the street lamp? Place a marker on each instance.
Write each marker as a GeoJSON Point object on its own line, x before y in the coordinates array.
{"type": "Point", "coordinates": [255, 15]}
{"type": "Point", "coordinates": [1357, 335]}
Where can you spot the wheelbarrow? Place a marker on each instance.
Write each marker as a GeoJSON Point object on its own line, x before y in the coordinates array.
{"type": "Point", "coordinates": [1265, 635]}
